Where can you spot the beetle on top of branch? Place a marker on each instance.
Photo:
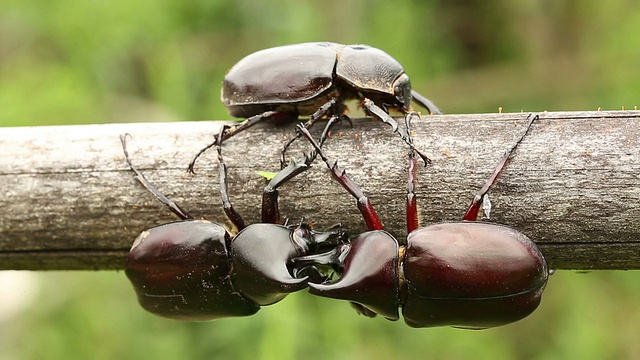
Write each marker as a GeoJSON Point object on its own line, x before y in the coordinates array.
{"type": "Point", "coordinates": [315, 79]}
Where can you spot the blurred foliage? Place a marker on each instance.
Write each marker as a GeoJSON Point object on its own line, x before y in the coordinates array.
{"type": "Point", "coordinates": [68, 62]}
{"type": "Point", "coordinates": [95, 61]}
{"type": "Point", "coordinates": [95, 316]}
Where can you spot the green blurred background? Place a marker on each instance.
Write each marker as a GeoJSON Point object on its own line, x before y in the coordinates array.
{"type": "Point", "coordinates": [72, 62]}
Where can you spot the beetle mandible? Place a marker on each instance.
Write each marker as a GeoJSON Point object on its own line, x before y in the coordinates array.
{"type": "Point", "coordinates": [464, 274]}
{"type": "Point", "coordinates": [195, 270]}
{"type": "Point", "coordinates": [315, 79]}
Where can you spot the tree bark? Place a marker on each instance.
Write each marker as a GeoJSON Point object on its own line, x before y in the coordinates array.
{"type": "Point", "coordinates": [69, 200]}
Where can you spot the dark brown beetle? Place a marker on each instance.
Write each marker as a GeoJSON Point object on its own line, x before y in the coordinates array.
{"type": "Point", "coordinates": [315, 79]}
{"type": "Point", "coordinates": [464, 274]}
{"type": "Point", "coordinates": [195, 270]}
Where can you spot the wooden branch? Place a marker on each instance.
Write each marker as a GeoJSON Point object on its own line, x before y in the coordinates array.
{"type": "Point", "coordinates": [69, 200]}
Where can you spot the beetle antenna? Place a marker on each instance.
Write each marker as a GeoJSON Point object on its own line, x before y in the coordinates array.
{"type": "Point", "coordinates": [425, 103]}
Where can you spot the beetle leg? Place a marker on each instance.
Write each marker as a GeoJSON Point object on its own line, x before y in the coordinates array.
{"type": "Point", "coordinates": [412, 207]}
{"type": "Point", "coordinates": [235, 129]}
{"type": "Point", "coordinates": [323, 110]}
{"type": "Point", "coordinates": [332, 121]}
{"type": "Point", "coordinates": [232, 214]}
{"type": "Point", "coordinates": [474, 208]}
{"type": "Point", "coordinates": [425, 103]}
{"type": "Point", "coordinates": [175, 208]}
{"type": "Point", "coordinates": [270, 209]}
{"type": "Point", "coordinates": [378, 113]}
{"type": "Point", "coordinates": [369, 214]}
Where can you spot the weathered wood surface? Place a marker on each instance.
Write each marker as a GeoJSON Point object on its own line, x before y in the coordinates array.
{"type": "Point", "coordinates": [69, 201]}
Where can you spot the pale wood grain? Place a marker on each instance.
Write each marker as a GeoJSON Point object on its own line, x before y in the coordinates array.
{"type": "Point", "coordinates": [69, 200]}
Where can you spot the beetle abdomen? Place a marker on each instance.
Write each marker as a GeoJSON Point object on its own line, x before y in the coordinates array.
{"type": "Point", "coordinates": [470, 313]}
{"type": "Point", "coordinates": [181, 271]}
{"type": "Point", "coordinates": [279, 75]}
{"type": "Point", "coordinates": [473, 275]}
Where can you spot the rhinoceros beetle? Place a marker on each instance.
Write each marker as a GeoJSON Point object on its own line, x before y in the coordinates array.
{"type": "Point", "coordinates": [195, 270]}
{"type": "Point", "coordinates": [315, 79]}
{"type": "Point", "coordinates": [464, 274]}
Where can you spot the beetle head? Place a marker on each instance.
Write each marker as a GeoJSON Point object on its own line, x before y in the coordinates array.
{"type": "Point", "coordinates": [402, 92]}
{"type": "Point", "coordinates": [368, 274]}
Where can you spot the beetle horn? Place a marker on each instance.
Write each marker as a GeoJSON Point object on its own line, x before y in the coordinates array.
{"type": "Point", "coordinates": [369, 276]}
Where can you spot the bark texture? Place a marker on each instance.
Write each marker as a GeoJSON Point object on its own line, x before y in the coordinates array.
{"type": "Point", "coordinates": [69, 200]}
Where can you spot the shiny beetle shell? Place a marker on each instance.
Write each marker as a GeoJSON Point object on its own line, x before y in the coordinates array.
{"type": "Point", "coordinates": [471, 275]}
{"type": "Point", "coordinates": [298, 79]}
{"type": "Point", "coordinates": [194, 271]}
{"type": "Point", "coordinates": [181, 271]}
{"type": "Point", "coordinates": [260, 254]}
{"type": "Point", "coordinates": [462, 274]}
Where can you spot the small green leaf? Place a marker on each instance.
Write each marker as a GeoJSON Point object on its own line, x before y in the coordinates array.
{"type": "Point", "coordinates": [266, 174]}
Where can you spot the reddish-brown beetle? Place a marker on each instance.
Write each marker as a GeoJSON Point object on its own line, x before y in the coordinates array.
{"type": "Point", "coordinates": [195, 270]}
{"type": "Point", "coordinates": [464, 274]}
